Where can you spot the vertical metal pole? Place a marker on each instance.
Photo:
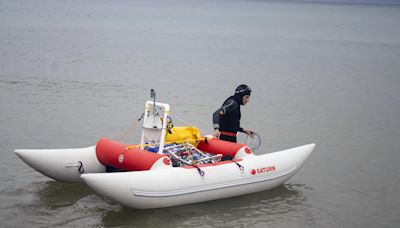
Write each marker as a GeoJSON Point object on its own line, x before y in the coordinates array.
{"type": "Point", "coordinates": [153, 95]}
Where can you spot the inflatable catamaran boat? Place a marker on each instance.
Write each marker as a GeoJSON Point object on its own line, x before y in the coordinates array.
{"type": "Point", "coordinates": [171, 165]}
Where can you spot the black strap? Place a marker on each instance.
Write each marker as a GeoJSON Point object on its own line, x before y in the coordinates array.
{"type": "Point", "coordinates": [201, 172]}
{"type": "Point", "coordinates": [239, 165]}
{"type": "Point", "coordinates": [81, 169]}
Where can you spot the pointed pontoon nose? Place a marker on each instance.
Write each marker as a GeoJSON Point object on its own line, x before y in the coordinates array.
{"type": "Point", "coordinates": [306, 150]}
{"type": "Point", "coordinates": [30, 157]}
{"type": "Point", "coordinates": [20, 154]}
{"type": "Point", "coordinates": [303, 153]}
{"type": "Point", "coordinates": [62, 164]}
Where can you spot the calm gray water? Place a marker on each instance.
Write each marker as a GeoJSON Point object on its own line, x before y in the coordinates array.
{"type": "Point", "coordinates": [74, 71]}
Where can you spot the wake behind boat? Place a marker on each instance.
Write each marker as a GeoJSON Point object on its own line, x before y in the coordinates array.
{"type": "Point", "coordinates": [170, 166]}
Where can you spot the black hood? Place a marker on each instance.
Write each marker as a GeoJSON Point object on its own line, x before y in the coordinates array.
{"type": "Point", "coordinates": [238, 98]}
{"type": "Point", "coordinates": [240, 92]}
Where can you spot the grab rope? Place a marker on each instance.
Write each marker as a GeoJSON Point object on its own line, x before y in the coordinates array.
{"type": "Point", "coordinates": [186, 122]}
{"type": "Point", "coordinates": [157, 143]}
{"type": "Point", "coordinates": [169, 126]}
{"type": "Point", "coordinates": [133, 126]}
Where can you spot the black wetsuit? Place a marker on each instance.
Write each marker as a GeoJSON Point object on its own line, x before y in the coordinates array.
{"type": "Point", "coordinates": [227, 118]}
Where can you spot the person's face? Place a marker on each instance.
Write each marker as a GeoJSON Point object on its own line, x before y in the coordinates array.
{"type": "Point", "coordinates": [246, 99]}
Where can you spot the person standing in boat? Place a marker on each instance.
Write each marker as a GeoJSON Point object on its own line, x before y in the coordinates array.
{"type": "Point", "coordinates": [226, 119]}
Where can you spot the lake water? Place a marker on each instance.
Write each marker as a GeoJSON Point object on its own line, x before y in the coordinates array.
{"type": "Point", "coordinates": [74, 71]}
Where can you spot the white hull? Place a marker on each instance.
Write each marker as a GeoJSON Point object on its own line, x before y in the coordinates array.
{"type": "Point", "coordinates": [165, 187]}
{"type": "Point", "coordinates": [151, 181]}
{"type": "Point", "coordinates": [62, 164]}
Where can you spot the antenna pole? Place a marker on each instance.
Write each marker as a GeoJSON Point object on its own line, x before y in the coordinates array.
{"type": "Point", "coordinates": [153, 95]}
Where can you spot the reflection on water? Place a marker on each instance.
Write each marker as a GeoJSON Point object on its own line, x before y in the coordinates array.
{"type": "Point", "coordinates": [75, 205]}
{"type": "Point", "coordinates": [65, 204]}
{"type": "Point", "coordinates": [59, 194]}
{"type": "Point", "coordinates": [268, 207]}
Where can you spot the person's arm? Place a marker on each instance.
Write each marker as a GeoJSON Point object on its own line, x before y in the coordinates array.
{"type": "Point", "coordinates": [217, 118]}
{"type": "Point", "coordinates": [227, 107]}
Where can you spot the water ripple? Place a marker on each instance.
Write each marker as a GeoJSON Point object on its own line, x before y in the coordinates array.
{"type": "Point", "coordinates": [264, 208]}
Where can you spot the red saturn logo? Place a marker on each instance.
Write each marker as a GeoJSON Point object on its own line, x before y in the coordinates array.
{"type": "Point", "coordinates": [263, 170]}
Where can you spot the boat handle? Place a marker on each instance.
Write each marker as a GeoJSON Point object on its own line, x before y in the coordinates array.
{"type": "Point", "coordinates": [78, 165]}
